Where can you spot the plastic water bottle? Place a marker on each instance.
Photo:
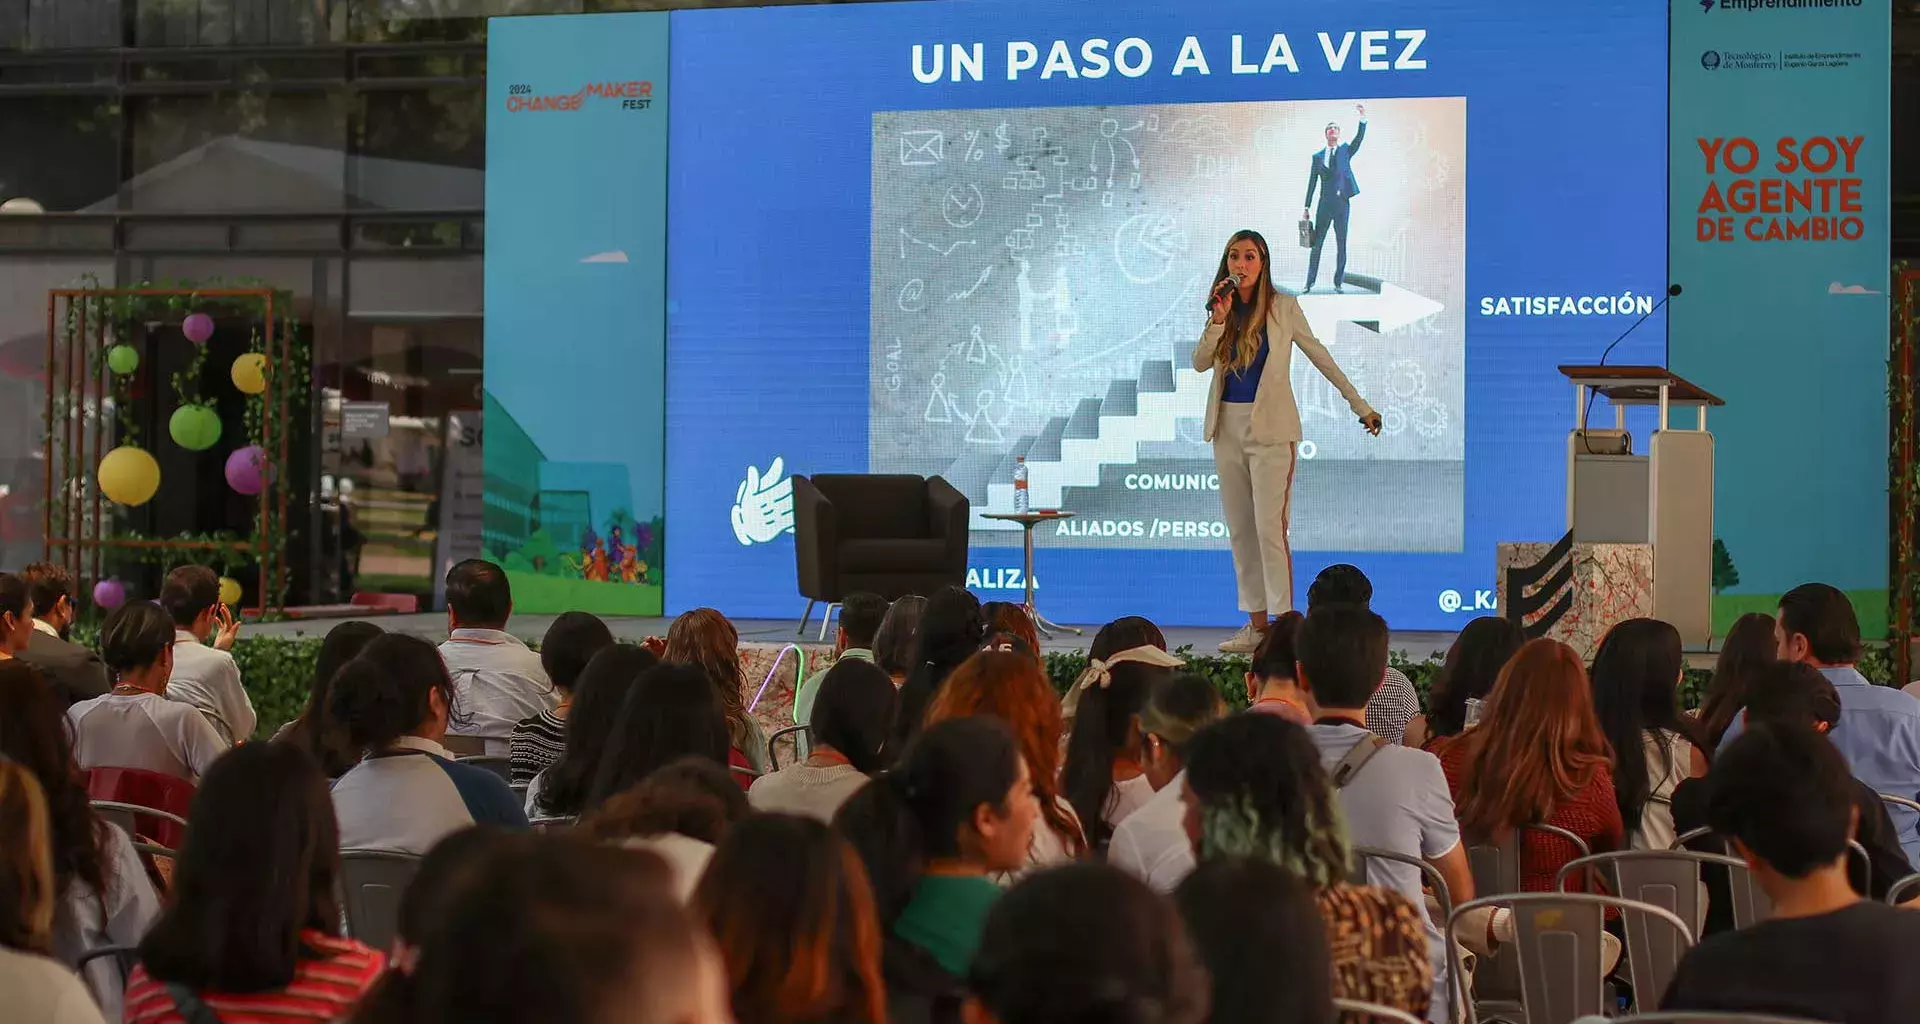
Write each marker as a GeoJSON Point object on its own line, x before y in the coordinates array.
{"type": "Point", "coordinates": [1020, 484]}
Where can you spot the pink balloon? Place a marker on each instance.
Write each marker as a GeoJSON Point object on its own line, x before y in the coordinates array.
{"type": "Point", "coordinates": [109, 594]}
{"type": "Point", "coordinates": [198, 328]}
{"type": "Point", "coordinates": [245, 469]}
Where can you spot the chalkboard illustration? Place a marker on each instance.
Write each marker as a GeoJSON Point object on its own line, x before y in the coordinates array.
{"type": "Point", "coordinates": [1038, 278]}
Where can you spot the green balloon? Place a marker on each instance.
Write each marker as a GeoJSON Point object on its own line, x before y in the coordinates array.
{"type": "Point", "coordinates": [123, 359]}
{"type": "Point", "coordinates": [194, 427]}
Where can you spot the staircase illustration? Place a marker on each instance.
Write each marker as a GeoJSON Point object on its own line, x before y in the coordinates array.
{"type": "Point", "coordinates": [1072, 450]}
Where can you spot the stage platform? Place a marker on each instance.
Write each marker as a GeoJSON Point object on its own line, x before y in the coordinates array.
{"type": "Point", "coordinates": [780, 632]}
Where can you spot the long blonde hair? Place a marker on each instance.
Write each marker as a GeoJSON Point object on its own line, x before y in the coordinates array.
{"type": "Point", "coordinates": [26, 863]}
{"type": "Point", "coordinates": [1245, 320]}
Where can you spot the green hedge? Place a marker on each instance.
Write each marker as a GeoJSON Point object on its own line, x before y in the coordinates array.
{"type": "Point", "coordinates": [278, 671]}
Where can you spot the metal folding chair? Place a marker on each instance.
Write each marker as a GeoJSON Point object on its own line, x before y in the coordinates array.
{"type": "Point", "coordinates": [1557, 950]}
{"type": "Point", "coordinates": [798, 732]}
{"type": "Point", "coordinates": [373, 882]}
{"type": "Point", "coordinates": [1751, 903]}
{"type": "Point", "coordinates": [1432, 877]}
{"type": "Point", "coordinates": [492, 762]}
{"type": "Point", "coordinates": [1904, 890]}
{"type": "Point", "coordinates": [122, 816]}
{"type": "Point", "coordinates": [117, 969]}
{"type": "Point", "coordinates": [1350, 1009]}
{"type": "Point", "coordinates": [1669, 879]}
{"type": "Point", "coordinates": [1709, 1017]}
{"type": "Point", "coordinates": [1496, 872]}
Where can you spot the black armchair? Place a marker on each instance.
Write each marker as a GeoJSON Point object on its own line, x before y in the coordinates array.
{"type": "Point", "coordinates": [888, 535]}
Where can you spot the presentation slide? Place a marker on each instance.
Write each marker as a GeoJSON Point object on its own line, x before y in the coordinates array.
{"type": "Point", "coordinates": [934, 238]}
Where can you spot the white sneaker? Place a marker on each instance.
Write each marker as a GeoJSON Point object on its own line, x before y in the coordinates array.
{"type": "Point", "coordinates": [1246, 641]}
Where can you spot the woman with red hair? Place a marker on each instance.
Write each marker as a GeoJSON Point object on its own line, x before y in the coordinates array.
{"type": "Point", "coordinates": [1537, 756]}
{"type": "Point", "coordinates": [1011, 687]}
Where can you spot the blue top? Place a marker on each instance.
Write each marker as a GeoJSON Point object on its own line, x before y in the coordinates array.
{"type": "Point", "coordinates": [1879, 734]}
{"type": "Point", "coordinates": [1242, 385]}
{"type": "Point", "coordinates": [409, 798]}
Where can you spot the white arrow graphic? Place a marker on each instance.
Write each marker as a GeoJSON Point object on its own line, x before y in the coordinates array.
{"type": "Point", "coordinates": [1390, 308]}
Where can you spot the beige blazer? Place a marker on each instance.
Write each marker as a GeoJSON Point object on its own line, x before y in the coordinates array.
{"type": "Point", "coordinates": [1276, 418]}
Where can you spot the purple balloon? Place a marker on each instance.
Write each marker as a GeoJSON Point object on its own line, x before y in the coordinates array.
{"type": "Point", "coordinates": [197, 327]}
{"type": "Point", "coordinates": [244, 469]}
{"type": "Point", "coordinates": [109, 594]}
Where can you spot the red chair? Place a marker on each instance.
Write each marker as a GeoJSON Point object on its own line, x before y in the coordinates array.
{"type": "Point", "coordinates": [143, 788]}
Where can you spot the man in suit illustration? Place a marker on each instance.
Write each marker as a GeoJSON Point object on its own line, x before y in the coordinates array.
{"type": "Point", "coordinates": [1332, 172]}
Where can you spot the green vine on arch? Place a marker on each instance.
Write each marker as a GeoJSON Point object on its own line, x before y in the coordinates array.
{"type": "Point", "coordinates": [110, 316]}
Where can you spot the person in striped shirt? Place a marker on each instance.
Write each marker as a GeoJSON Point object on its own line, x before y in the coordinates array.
{"type": "Point", "coordinates": [237, 940]}
{"type": "Point", "coordinates": [571, 642]}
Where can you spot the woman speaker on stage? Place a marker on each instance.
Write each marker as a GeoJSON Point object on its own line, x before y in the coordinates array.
{"type": "Point", "coordinates": [1254, 424]}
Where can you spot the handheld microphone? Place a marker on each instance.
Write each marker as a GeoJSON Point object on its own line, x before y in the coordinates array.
{"type": "Point", "coordinates": [1227, 283]}
{"type": "Point", "coordinates": [1672, 290]}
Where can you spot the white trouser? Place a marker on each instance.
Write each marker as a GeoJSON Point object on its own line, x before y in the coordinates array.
{"type": "Point", "coordinates": [1256, 491]}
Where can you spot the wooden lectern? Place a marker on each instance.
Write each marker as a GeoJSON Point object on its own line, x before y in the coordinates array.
{"type": "Point", "coordinates": [1663, 499]}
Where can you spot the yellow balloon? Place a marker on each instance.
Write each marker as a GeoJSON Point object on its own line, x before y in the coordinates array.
{"type": "Point", "coordinates": [250, 373]}
{"type": "Point", "coordinates": [129, 476]}
{"type": "Point", "coordinates": [229, 590]}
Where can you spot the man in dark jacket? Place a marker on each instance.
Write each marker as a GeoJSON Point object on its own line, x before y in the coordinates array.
{"type": "Point", "coordinates": [74, 672]}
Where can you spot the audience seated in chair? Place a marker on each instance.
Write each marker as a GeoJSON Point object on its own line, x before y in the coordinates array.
{"type": "Point", "coordinates": [36, 986]}
{"type": "Point", "coordinates": [1636, 697]}
{"type": "Point", "coordinates": [315, 731]}
{"type": "Point", "coordinates": [850, 722]}
{"type": "Point", "coordinates": [670, 713]}
{"type": "Point", "coordinates": [74, 671]}
{"type": "Point", "coordinates": [552, 928]}
{"type": "Point", "coordinates": [1879, 731]}
{"type": "Point", "coordinates": [252, 925]}
{"type": "Point", "coordinates": [497, 681]}
{"type": "Point", "coordinates": [16, 616]}
{"type": "Point", "coordinates": [951, 628]}
{"type": "Point", "coordinates": [680, 812]}
{"type": "Point", "coordinates": [957, 808]}
{"type": "Point", "coordinates": [103, 895]}
{"type": "Point", "coordinates": [704, 639]}
{"type": "Point", "coordinates": [861, 614]}
{"type": "Point", "coordinates": [137, 724]}
{"type": "Point", "coordinates": [571, 641]}
{"type": "Point", "coordinates": [561, 790]}
{"type": "Point", "coordinates": [1103, 778]}
{"type": "Point", "coordinates": [1392, 798]}
{"type": "Point", "coordinates": [1482, 649]}
{"type": "Point", "coordinates": [1782, 795]}
{"type": "Point", "coordinates": [1749, 647]}
{"type": "Point", "coordinates": [204, 675]}
{"type": "Point", "coordinates": [1273, 674]}
{"type": "Point", "coordinates": [898, 638]}
{"type": "Point", "coordinates": [1152, 843]}
{"type": "Point", "coordinates": [787, 901]}
{"type": "Point", "coordinates": [1255, 788]}
{"type": "Point", "coordinates": [1537, 756]}
{"type": "Point", "coordinates": [1011, 688]}
{"type": "Point", "coordinates": [1393, 704]}
{"type": "Point", "coordinates": [1258, 931]}
{"type": "Point", "coordinates": [393, 700]}
{"type": "Point", "coordinates": [1790, 693]}
{"type": "Point", "coordinates": [1085, 943]}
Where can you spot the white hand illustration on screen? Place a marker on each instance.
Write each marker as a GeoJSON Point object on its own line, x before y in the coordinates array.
{"type": "Point", "coordinates": [763, 506]}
